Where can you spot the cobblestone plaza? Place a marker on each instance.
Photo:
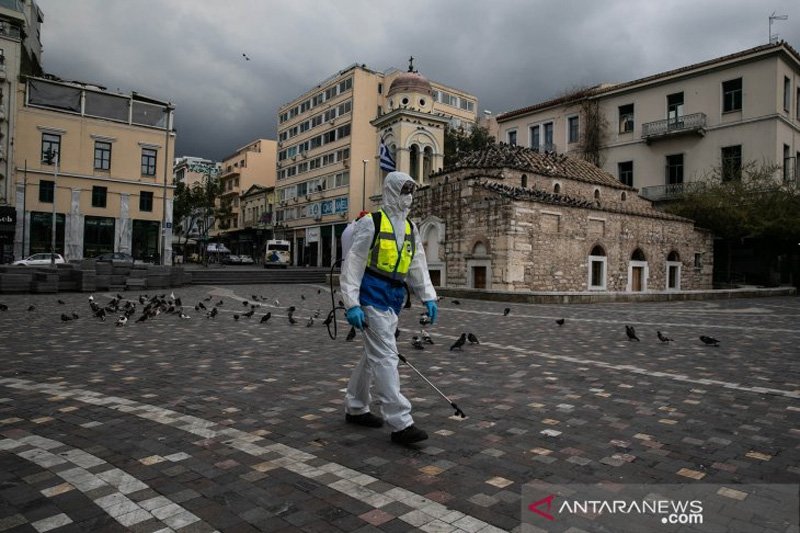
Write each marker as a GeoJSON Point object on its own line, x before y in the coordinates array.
{"type": "Point", "coordinates": [203, 424]}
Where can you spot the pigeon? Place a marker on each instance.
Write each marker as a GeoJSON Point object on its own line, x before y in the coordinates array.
{"type": "Point", "coordinates": [254, 297]}
{"type": "Point", "coordinates": [424, 320]}
{"type": "Point", "coordinates": [351, 334]}
{"type": "Point", "coordinates": [142, 318]}
{"type": "Point", "coordinates": [65, 318]}
{"type": "Point", "coordinates": [472, 338]}
{"type": "Point", "coordinates": [75, 316]}
{"type": "Point", "coordinates": [425, 337]}
{"type": "Point", "coordinates": [208, 299]}
{"type": "Point", "coordinates": [184, 315]}
{"type": "Point", "coordinates": [201, 306]}
{"type": "Point", "coordinates": [662, 337]}
{"type": "Point", "coordinates": [218, 304]}
{"type": "Point", "coordinates": [459, 343]}
{"type": "Point", "coordinates": [101, 314]}
{"type": "Point", "coordinates": [292, 309]}
{"type": "Point", "coordinates": [266, 317]}
{"type": "Point", "coordinates": [171, 296]}
{"type": "Point", "coordinates": [32, 308]}
{"type": "Point", "coordinates": [456, 302]}
{"type": "Point", "coordinates": [302, 297]}
{"type": "Point", "coordinates": [196, 307]}
{"type": "Point", "coordinates": [142, 300]}
{"type": "Point", "coordinates": [560, 321]}
{"type": "Point", "coordinates": [631, 333]}
{"type": "Point", "coordinates": [249, 313]}
{"type": "Point", "coordinates": [3, 307]}
{"type": "Point", "coordinates": [178, 303]}
{"type": "Point", "coordinates": [710, 341]}
{"type": "Point", "coordinates": [62, 302]}
{"type": "Point", "coordinates": [416, 342]}
{"type": "Point", "coordinates": [121, 321]}
{"type": "Point", "coordinates": [506, 311]}
{"type": "Point", "coordinates": [213, 313]}
{"type": "Point", "coordinates": [276, 303]}
{"type": "Point", "coordinates": [245, 303]}
{"type": "Point", "coordinates": [245, 57]}
{"type": "Point", "coordinates": [310, 322]}
{"type": "Point", "coordinates": [292, 321]}
{"type": "Point", "coordinates": [91, 298]}
{"type": "Point", "coordinates": [319, 291]}
{"type": "Point", "coordinates": [236, 317]}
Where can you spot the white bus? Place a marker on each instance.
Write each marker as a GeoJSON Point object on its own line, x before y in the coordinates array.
{"type": "Point", "coordinates": [277, 254]}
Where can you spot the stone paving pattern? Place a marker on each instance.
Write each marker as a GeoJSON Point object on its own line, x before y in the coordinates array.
{"type": "Point", "coordinates": [232, 425]}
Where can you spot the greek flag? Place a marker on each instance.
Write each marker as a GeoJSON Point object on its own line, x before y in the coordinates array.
{"type": "Point", "coordinates": [387, 163]}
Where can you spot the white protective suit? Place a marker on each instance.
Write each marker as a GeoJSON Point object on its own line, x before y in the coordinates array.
{"type": "Point", "coordinates": [378, 364]}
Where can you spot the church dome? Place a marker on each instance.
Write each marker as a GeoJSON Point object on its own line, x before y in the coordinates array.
{"type": "Point", "coordinates": [409, 82]}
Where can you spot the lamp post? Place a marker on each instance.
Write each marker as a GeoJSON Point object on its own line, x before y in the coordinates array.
{"type": "Point", "coordinates": [51, 157]}
{"type": "Point", "coordinates": [364, 189]}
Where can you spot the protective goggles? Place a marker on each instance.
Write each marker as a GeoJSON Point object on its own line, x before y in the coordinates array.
{"type": "Point", "coordinates": [408, 187]}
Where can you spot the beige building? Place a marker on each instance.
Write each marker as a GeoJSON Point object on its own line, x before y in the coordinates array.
{"type": "Point", "coordinates": [20, 54]}
{"type": "Point", "coordinates": [329, 144]}
{"type": "Point", "coordinates": [672, 128]}
{"type": "Point", "coordinates": [101, 161]}
{"type": "Point", "coordinates": [257, 206]}
{"type": "Point", "coordinates": [250, 165]}
{"type": "Point", "coordinates": [508, 218]}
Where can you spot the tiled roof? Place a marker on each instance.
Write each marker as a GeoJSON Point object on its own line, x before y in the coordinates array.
{"type": "Point", "coordinates": [543, 164]}
{"type": "Point", "coordinates": [545, 197]}
{"type": "Point", "coordinates": [599, 90]}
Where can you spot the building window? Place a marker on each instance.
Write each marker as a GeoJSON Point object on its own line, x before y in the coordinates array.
{"type": "Point", "coordinates": [674, 169]}
{"type": "Point", "coordinates": [548, 138]}
{"type": "Point", "coordinates": [625, 172]}
{"type": "Point", "coordinates": [787, 163]}
{"type": "Point", "coordinates": [731, 162]}
{"type": "Point", "coordinates": [732, 95]}
{"type": "Point", "coordinates": [512, 137]}
{"type": "Point", "coordinates": [557, 188]}
{"type": "Point", "coordinates": [46, 191]}
{"type": "Point", "coordinates": [99, 195]}
{"type": "Point", "coordinates": [573, 127]}
{"type": "Point", "coordinates": [673, 271]}
{"type": "Point", "coordinates": [51, 148]}
{"type": "Point", "coordinates": [145, 201]}
{"type": "Point", "coordinates": [149, 157]}
{"type": "Point", "coordinates": [797, 104]}
{"type": "Point", "coordinates": [626, 118]}
{"type": "Point", "coordinates": [535, 141]}
{"type": "Point", "coordinates": [787, 94]}
{"type": "Point", "coordinates": [597, 269]}
{"type": "Point", "coordinates": [102, 155]}
{"type": "Point", "coordinates": [675, 108]}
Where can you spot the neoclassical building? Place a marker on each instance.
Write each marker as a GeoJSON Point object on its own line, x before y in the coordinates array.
{"type": "Point", "coordinates": [513, 219]}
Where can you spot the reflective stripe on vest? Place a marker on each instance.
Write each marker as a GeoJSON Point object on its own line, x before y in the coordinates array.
{"type": "Point", "coordinates": [384, 258]}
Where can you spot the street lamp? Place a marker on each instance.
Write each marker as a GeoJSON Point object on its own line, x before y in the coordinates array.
{"type": "Point", "coordinates": [364, 189]}
{"type": "Point", "coordinates": [51, 157]}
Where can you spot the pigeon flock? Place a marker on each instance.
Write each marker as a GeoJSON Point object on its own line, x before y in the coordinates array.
{"type": "Point", "coordinates": [122, 310]}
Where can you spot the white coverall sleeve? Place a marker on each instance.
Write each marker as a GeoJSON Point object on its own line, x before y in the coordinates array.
{"type": "Point", "coordinates": [355, 262]}
{"type": "Point", "coordinates": [419, 280]}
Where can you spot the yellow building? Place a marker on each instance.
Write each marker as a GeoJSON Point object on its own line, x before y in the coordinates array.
{"type": "Point", "coordinates": [256, 207]}
{"type": "Point", "coordinates": [250, 165]}
{"type": "Point", "coordinates": [329, 144]}
{"type": "Point", "coordinates": [102, 162]}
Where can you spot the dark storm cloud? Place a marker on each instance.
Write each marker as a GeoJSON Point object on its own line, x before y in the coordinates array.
{"type": "Point", "coordinates": [509, 53]}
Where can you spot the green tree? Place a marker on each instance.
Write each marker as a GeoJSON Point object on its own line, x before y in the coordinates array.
{"type": "Point", "coordinates": [458, 141]}
{"type": "Point", "coordinates": [756, 205]}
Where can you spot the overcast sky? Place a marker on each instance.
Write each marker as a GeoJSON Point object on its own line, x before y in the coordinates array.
{"type": "Point", "coordinates": [508, 53]}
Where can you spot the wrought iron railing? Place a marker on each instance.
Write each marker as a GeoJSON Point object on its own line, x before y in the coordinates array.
{"type": "Point", "coordinates": [673, 191]}
{"type": "Point", "coordinates": [682, 124]}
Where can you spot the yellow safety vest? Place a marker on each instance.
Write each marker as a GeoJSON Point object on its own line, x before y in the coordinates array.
{"type": "Point", "coordinates": [384, 259]}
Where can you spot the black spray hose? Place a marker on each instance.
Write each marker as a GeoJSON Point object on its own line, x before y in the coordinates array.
{"type": "Point", "coordinates": [331, 318]}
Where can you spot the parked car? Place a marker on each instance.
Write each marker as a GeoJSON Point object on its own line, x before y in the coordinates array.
{"type": "Point", "coordinates": [232, 259]}
{"type": "Point", "coordinates": [39, 259]}
{"type": "Point", "coordinates": [246, 260]}
{"type": "Point", "coordinates": [116, 258]}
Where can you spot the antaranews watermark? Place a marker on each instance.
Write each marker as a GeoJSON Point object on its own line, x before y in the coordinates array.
{"type": "Point", "coordinates": [612, 507]}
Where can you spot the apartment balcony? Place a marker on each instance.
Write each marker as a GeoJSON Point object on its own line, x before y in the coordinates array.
{"type": "Point", "coordinates": [673, 191]}
{"type": "Point", "coordinates": [686, 124]}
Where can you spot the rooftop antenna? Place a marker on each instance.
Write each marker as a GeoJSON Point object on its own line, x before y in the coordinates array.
{"type": "Point", "coordinates": [774, 38]}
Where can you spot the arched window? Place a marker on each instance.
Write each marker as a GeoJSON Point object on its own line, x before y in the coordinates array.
{"type": "Point", "coordinates": [524, 180]}
{"type": "Point", "coordinates": [623, 196]}
{"type": "Point", "coordinates": [597, 194]}
{"type": "Point", "coordinates": [413, 155]}
{"type": "Point", "coordinates": [673, 271]}
{"type": "Point", "coordinates": [427, 162]}
{"type": "Point", "coordinates": [597, 269]}
{"type": "Point", "coordinates": [557, 188]}
{"type": "Point", "coordinates": [673, 256]}
{"type": "Point", "coordinates": [479, 249]}
{"type": "Point", "coordinates": [638, 255]}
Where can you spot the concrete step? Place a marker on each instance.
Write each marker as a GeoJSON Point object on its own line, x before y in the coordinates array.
{"type": "Point", "coordinates": [256, 276]}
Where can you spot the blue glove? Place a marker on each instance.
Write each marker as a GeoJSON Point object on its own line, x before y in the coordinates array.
{"type": "Point", "coordinates": [355, 317]}
{"type": "Point", "coordinates": [433, 310]}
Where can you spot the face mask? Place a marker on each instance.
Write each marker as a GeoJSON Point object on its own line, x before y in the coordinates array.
{"type": "Point", "coordinates": [405, 201]}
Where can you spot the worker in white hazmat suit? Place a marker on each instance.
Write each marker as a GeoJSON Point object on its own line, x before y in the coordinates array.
{"type": "Point", "coordinates": [373, 293]}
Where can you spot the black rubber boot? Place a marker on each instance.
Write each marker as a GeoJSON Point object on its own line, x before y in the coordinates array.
{"type": "Point", "coordinates": [367, 419]}
{"type": "Point", "coordinates": [410, 435]}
